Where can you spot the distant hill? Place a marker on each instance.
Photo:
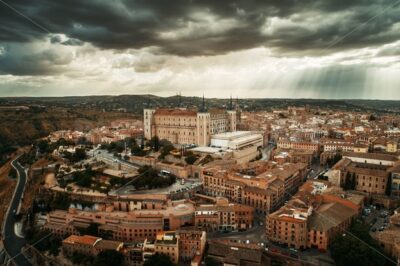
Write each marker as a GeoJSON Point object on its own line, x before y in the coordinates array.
{"type": "Point", "coordinates": [46, 114]}
{"type": "Point", "coordinates": [136, 103]}
{"type": "Point", "coordinates": [22, 127]}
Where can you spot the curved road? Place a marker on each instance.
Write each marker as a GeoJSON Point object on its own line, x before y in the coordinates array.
{"type": "Point", "coordinates": [12, 243]}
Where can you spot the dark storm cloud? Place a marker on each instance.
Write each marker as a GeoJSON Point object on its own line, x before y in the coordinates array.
{"type": "Point", "coordinates": [18, 60]}
{"type": "Point", "coordinates": [140, 23]}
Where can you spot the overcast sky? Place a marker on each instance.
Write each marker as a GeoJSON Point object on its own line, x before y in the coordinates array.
{"type": "Point", "coordinates": [249, 48]}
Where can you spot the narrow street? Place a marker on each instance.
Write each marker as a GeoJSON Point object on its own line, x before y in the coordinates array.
{"type": "Point", "coordinates": [266, 152]}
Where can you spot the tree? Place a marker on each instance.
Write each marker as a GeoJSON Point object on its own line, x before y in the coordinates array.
{"type": "Point", "coordinates": [166, 150]}
{"type": "Point", "coordinates": [106, 234]}
{"type": "Point", "coordinates": [43, 146]}
{"type": "Point", "coordinates": [84, 178]}
{"type": "Point", "coordinates": [357, 247]}
{"type": "Point", "coordinates": [154, 142]}
{"type": "Point", "coordinates": [44, 242]}
{"type": "Point", "coordinates": [150, 178]}
{"type": "Point", "coordinates": [138, 152]}
{"type": "Point", "coordinates": [212, 262]}
{"type": "Point", "coordinates": [79, 155]}
{"type": "Point", "coordinates": [350, 182]}
{"type": "Point", "coordinates": [92, 229]}
{"type": "Point", "coordinates": [281, 115]}
{"type": "Point", "coordinates": [158, 260]}
{"type": "Point", "coordinates": [83, 141]}
{"type": "Point", "coordinates": [191, 159]}
{"type": "Point", "coordinates": [60, 201]}
{"type": "Point", "coordinates": [62, 142]}
{"type": "Point", "coordinates": [109, 257]}
{"type": "Point", "coordinates": [81, 259]}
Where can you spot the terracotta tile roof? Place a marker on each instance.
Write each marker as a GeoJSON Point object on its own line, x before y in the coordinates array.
{"type": "Point", "coordinates": [330, 215]}
{"type": "Point", "coordinates": [376, 156]}
{"type": "Point", "coordinates": [258, 191]}
{"type": "Point", "coordinates": [368, 171]}
{"type": "Point", "coordinates": [175, 112]}
{"type": "Point", "coordinates": [395, 169]}
{"type": "Point", "coordinates": [236, 254]}
{"type": "Point", "coordinates": [342, 164]}
{"type": "Point", "coordinates": [82, 240]}
{"type": "Point", "coordinates": [108, 245]}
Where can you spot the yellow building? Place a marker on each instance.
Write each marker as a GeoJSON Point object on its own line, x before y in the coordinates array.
{"type": "Point", "coordinates": [391, 146]}
{"type": "Point", "coordinates": [166, 243]}
{"type": "Point", "coordinates": [187, 126]}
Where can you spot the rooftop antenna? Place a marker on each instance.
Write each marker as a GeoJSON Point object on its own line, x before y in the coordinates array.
{"type": "Point", "coordinates": [180, 100]}
{"type": "Point", "coordinates": [231, 104]}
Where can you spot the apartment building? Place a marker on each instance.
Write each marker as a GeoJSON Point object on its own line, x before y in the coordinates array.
{"type": "Point", "coordinates": [392, 146]}
{"type": "Point", "coordinates": [192, 244]}
{"type": "Point", "coordinates": [369, 178]}
{"type": "Point", "coordinates": [88, 245]}
{"type": "Point", "coordinates": [188, 126]}
{"type": "Point", "coordinates": [313, 217]}
{"type": "Point", "coordinates": [395, 182]}
{"type": "Point", "coordinates": [298, 145]}
{"type": "Point", "coordinates": [328, 220]}
{"type": "Point", "coordinates": [337, 174]}
{"type": "Point", "coordinates": [185, 245]}
{"type": "Point", "coordinates": [389, 239]}
{"type": "Point", "coordinates": [135, 225]}
{"type": "Point", "coordinates": [223, 216]}
{"type": "Point", "coordinates": [372, 158]}
{"type": "Point", "coordinates": [166, 243]}
{"type": "Point", "coordinates": [288, 226]}
{"type": "Point", "coordinates": [293, 156]}
{"type": "Point", "coordinates": [366, 172]}
{"type": "Point", "coordinates": [261, 185]}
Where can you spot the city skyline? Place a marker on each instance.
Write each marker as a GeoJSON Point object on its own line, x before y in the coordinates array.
{"type": "Point", "coordinates": [282, 49]}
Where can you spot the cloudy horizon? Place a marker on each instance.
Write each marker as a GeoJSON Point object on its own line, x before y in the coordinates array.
{"type": "Point", "coordinates": [329, 49]}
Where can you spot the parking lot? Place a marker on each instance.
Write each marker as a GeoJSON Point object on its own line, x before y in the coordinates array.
{"type": "Point", "coordinates": [378, 218]}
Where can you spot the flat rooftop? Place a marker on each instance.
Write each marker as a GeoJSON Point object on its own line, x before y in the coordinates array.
{"type": "Point", "coordinates": [234, 134]}
{"type": "Point", "coordinates": [210, 150]}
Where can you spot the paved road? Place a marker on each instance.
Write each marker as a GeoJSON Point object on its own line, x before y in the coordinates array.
{"type": "Point", "coordinates": [103, 155]}
{"type": "Point", "coordinates": [12, 243]}
{"type": "Point", "coordinates": [255, 234]}
{"type": "Point", "coordinates": [266, 152]}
